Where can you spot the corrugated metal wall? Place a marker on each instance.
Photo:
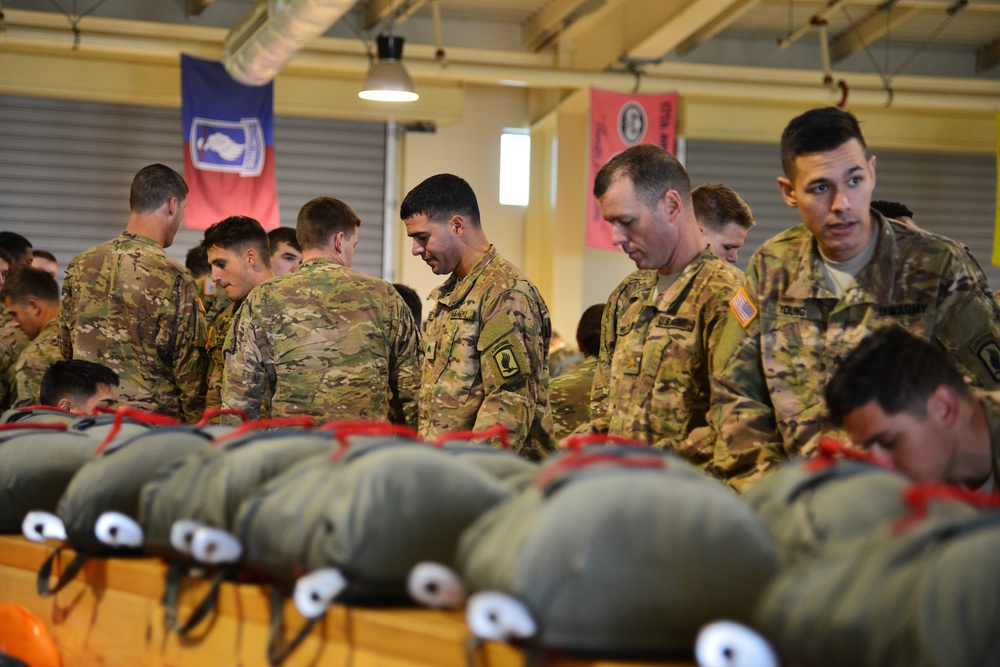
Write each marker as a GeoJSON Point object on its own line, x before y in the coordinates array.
{"type": "Point", "coordinates": [66, 168]}
{"type": "Point", "coordinates": [953, 195]}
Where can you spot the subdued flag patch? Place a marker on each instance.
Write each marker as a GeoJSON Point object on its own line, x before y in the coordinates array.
{"type": "Point", "coordinates": [743, 307]}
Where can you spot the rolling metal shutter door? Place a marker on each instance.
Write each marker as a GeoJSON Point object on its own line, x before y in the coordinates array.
{"type": "Point", "coordinates": [66, 168]}
{"type": "Point", "coordinates": [952, 195]}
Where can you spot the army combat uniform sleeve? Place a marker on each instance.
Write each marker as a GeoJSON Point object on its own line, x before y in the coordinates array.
{"type": "Point", "coordinates": [186, 346]}
{"type": "Point", "coordinates": [404, 368]}
{"type": "Point", "coordinates": [741, 412]}
{"type": "Point", "coordinates": [217, 334]}
{"type": "Point", "coordinates": [513, 347]}
{"type": "Point", "coordinates": [33, 362]}
{"type": "Point", "coordinates": [249, 363]}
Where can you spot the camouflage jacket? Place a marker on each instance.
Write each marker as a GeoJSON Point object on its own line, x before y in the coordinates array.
{"type": "Point", "coordinates": [788, 332]}
{"type": "Point", "coordinates": [12, 343]}
{"type": "Point", "coordinates": [656, 356]}
{"type": "Point", "coordinates": [486, 358]}
{"type": "Point", "coordinates": [213, 299]}
{"type": "Point", "coordinates": [217, 332]}
{"type": "Point", "coordinates": [569, 396]}
{"type": "Point", "coordinates": [36, 358]}
{"type": "Point", "coordinates": [325, 341]}
{"type": "Point", "coordinates": [128, 305]}
{"type": "Point", "coordinates": [563, 359]}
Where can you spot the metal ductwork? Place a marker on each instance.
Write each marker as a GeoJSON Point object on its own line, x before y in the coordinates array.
{"type": "Point", "coordinates": [269, 36]}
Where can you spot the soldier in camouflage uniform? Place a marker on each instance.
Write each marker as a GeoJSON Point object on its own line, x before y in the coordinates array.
{"type": "Point", "coordinates": [569, 393]}
{"type": "Point", "coordinates": [488, 333]}
{"type": "Point", "coordinates": [897, 395]}
{"type": "Point", "coordinates": [240, 259]}
{"type": "Point", "coordinates": [723, 217]}
{"type": "Point", "coordinates": [663, 322]}
{"type": "Point", "coordinates": [12, 340]}
{"type": "Point", "coordinates": [813, 292]}
{"type": "Point", "coordinates": [129, 306]}
{"type": "Point", "coordinates": [324, 340]}
{"type": "Point", "coordinates": [31, 296]}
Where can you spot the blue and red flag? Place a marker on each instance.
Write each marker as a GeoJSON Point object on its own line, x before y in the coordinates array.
{"type": "Point", "coordinates": [228, 146]}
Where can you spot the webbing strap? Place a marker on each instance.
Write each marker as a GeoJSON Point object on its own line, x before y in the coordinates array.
{"type": "Point", "coordinates": [45, 572]}
{"type": "Point", "coordinates": [171, 592]}
{"type": "Point", "coordinates": [277, 648]}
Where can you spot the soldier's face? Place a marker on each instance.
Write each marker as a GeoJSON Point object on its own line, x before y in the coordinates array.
{"type": "Point", "coordinates": [727, 241]}
{"type": "Point", "coordinates": [644, 232]}
{"type": "Point", "coordinates": [833, 192]}
{"type": "Point", "coordinates": [434, 242]}
{"type": "Point", "coordinates": [4, 270]}
{"type": "Point", "coordinates": [919, 446]}
{"type": "Point", "coordinates": [285, 259]}
{"type": "Point", "coordinates": [27, 316]}
{"type": "Point", "coordinates": [232, 272]}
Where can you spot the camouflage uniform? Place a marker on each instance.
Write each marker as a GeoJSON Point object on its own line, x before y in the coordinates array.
{"type": "Point", "coordinates": [569, 396]}
{"type": "Point", "coordinates": [217, 333]}
{"type": "Point", "coordinates": [12, 343]}
{"type": "Point", "coordinates": [563, 359]}
{"type": "Point", "coordinates": [128, 305]}
{"type": "Point", "coordinates": [772, 368]}
{"type": "Point", "coordinates": [325, 341]}
{"type": "Point", "coordinates": [214, 299]}
{"type": "Point", "coordinates": [655, 358]}
{"type": "Point", "coordinates": [487, 346]}
{"type": "Point", "coordinates": [36, 358]}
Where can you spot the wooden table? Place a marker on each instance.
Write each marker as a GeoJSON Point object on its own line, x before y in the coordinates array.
{"type": "Point", "coordinates": [111, 616]}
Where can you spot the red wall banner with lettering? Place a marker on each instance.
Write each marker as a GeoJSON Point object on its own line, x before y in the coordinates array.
{"type": "Point", "coordinates": [619, 121]}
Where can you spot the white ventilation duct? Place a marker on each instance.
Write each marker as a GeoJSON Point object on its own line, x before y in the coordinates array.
{"type": "Point", "coordinates": [262, 43]}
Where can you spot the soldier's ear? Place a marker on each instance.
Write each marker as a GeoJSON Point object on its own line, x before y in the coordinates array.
{"type": "Point", "coordinates": [250, 256]}
{"type": "Point", "coordinates": [64, 404]}
{"type": "Point", "coordinates": [788, 191]}
{"type": "Point", "coordinates": [457, 224]}
{"type": "Point", "coordinates": [943, 405]}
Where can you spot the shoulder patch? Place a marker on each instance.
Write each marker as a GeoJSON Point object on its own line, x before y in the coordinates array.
{"type": "Point", "coordinates": [987, 350]}
{"type": "Point", "coordinates": [743, 307]}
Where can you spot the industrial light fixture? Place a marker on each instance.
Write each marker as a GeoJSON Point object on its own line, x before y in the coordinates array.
{"type": "Point", "coordinates": [388, 81]}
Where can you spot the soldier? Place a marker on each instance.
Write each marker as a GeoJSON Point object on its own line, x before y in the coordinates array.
{"type": "Point", "coordinates": [663, 321]}
{"type": "Point", "coordinates": [488, 333]}
{"type": "Point", "coordinates": [723, 217]}
{"type": "Point", "coordinates": [128, 305]}
{"type": "Point", "coordinates": [324, 340]}
{"type": "Point", "coordinates": [46, 261]}
{"type": "Point", "coordinates": [813, 292]}
{"type": "Point", "coordinates": [569, 393]}
{"type": "Point", "coordinates": [286, 254]}
{"type": "Point", "coordinates": [31, 297]}
{"type": "Point", "coordinates": [79, 386]}
{"type": "Point", "coordinates": [897, 395]}
{"type": "Point", "coordinates": [16, 253]}
{"type": "Point", "coordinates": [238, 253]}
{"type": "Point", "coordinates": [212, 298]}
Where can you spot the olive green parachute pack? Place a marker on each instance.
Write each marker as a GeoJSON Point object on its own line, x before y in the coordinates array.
{"type": "Point", "coordinates": [381, 503]}
{"type": "Point", "coordinates": [920, 592]}
{"type": "Point", "coordinates": [620, 550]}
{"type": "Point", "coordinates": [39, 414]}
{"type": "Point", "coordinates": [815, 505]}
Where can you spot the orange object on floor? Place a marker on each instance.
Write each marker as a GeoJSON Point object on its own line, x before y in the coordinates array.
{"type": "Point", "coordinates": [25, 637]}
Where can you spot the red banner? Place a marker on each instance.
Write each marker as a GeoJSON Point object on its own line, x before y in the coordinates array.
{"type": "Point", "coordinates": [228, 146]}
{"type": "Point", "coordinates": [618, 121]}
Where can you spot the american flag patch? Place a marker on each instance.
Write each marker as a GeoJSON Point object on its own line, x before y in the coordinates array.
{"type": "Point", "coordinates": [743, 307]}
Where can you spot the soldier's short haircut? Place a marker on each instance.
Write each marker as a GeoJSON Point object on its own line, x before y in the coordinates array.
{"type": "Point", "coordinates": [237, 233]}
{"type": "Point", "coordinates": [16, 246]}
{"type": "Point", "coordinates": [652, 170]}
{"type": "Point", "coordinates": [76, 380]}
{"type": "Point", "coordinates": [817, 131]}
{"type": "Point", "coordinates": [890, 209]}
{"type": "Point", "coordinates": [30, 283]}
{"type": "Point", "coordinates": [412, 300]}
{"type": "Point", "coordinates": [439, 198]}
{"type": "Point", "coordinates": [323, 218]}
{"type": "Point", "coordinates": [5, 256]}
{"type": "Point", "coordinates": [153, 187]}
{"type": "Point", "coordinates": [588, 332]}
{"type": "Point", "coordinates": [43, 254]}
{"type": "Point", "coordinates": [894, 368]}
{"type": "Point", "coordinates": [196, 261]}
{"type": "Point", "coordinates": [716, 205]}
{"type": "Point", "coordinates": [282, 235]}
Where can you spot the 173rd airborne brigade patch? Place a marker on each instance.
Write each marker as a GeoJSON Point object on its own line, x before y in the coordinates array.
{"type": "Point", "coordinates": [503, 349]}
{"type": "Point", "coordinates": [743, 307]}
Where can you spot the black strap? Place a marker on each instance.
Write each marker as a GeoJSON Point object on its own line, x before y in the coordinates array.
{"type": "Point", "coordinates": [171, 592]}
{"type": "Point", "coordinates": [277, 648]}
{"type": "Point", "coordinates": [45, 572]}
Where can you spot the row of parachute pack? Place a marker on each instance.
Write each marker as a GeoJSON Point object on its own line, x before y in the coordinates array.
{"type": "Point", "coordinates": [607, 549]}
